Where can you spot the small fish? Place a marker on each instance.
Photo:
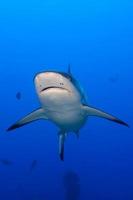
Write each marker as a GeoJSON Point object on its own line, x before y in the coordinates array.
{"type": "Point", "coordinates": [33, 165]}
{"type": "Point", "coordinates": [18, 95]}
{"type": "Point", "coordinates": [6, 162]}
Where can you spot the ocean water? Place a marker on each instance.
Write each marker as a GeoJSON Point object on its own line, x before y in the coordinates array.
{"type": "Point", "coordinates": [96, 39]}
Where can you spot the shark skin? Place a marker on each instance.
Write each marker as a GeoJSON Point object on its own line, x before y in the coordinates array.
{"type": "Point", "coordinates": [63, 102]}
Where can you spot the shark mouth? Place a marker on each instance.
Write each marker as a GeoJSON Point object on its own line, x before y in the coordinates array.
{"type": "Point", "coordinates": [54, 87]}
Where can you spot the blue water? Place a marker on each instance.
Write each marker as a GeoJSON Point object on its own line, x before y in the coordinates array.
{"type": "Point", "coordinates": [96, 38]}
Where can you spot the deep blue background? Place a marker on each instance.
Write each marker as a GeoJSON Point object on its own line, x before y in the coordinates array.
{"type": "Point", "coordinates": [96, 38]}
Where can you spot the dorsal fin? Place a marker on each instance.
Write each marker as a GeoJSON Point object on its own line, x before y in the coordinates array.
{"type": "Point", "coordinates": [69, 69]}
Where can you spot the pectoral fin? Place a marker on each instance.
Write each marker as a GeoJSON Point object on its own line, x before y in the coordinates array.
{"type": "Point", "coordinates": [61, 145]}
{"type": "Point", "coordinates": [98, 113]}
{"type": "Point", "coordinates": [35, 115]}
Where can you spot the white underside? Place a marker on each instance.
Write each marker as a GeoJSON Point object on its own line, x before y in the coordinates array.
{"type": "Point", "coordinates": [63, 108]}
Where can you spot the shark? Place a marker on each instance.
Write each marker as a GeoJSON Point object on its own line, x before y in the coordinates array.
{"type": "Point", "coordinates": [64, 103]}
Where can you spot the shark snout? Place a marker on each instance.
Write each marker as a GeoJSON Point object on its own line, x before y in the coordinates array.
{"type": "Point", "coordinates": [50, 81]}
{"type": "Point", "coordinates": [46, 75]}
{"type": "Point", "coordinates": [46, 78]}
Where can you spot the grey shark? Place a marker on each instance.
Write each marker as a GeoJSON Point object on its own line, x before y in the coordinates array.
{"type": "Point", "coordinates": [63, 102]}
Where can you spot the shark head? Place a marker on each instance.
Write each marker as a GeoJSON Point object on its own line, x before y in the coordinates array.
{"type": "Point", "coordinates": [56, 86]}
{"type": "Point", "coordinates": [45, 81]}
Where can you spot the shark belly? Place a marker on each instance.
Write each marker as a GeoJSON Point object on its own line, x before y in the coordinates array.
{"type": "Point", "coordinates": [69, 120]}
{"type": "Point", "coordinates": [64, 109]}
